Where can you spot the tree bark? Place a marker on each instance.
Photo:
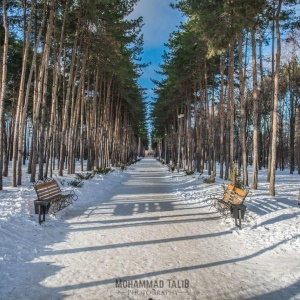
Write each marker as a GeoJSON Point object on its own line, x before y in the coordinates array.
{"type": "Point", "coordinates": [243, 111]}
{"type": "Point", "coordinates": [255, 113]}
{"type": "Point", "coordinates": [20, 105]}
{"type": "Point", "coordinates": [3, 85]}
{"type": "Point", "coordinates": [272, 95]}
{"type": "Point", "coordinates": [41, 92]}
{"type": "Point", "coordinates": [71, 82]}
{"type": "Point", "coordinates": [276, 99]}
{"type": "Point", "coordinates": [26, 100]}
{"type": "Point", "coordinates": [222, 117]}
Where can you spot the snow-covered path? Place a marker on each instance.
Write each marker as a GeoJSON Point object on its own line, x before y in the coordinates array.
{"type": "Point", "coordinates": [141, 241]}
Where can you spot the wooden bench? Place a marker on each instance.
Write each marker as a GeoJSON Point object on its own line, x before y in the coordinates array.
{"type": "Point", "coordinates": [51, 198]}
{"type": "Point", "coordinates": [231, 197]}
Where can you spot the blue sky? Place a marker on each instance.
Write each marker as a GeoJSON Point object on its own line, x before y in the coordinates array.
{"type": "Point", "coordinates": [159, 21]}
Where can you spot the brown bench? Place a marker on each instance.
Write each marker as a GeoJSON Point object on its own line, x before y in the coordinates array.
{"type": "Point", "coordinates": [51, 198]}
{"type": "Point", "coordinates": [231, 198]}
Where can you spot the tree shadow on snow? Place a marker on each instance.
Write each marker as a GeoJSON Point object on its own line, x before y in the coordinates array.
{"type": "Point", "coordinates": [292, 290]}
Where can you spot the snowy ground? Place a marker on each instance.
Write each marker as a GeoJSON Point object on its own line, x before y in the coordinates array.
{"type": "Point", "coordinates": [154, 231]}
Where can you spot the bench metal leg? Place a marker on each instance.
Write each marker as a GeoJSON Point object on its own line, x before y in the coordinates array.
{"type": "Point", "coordinates": [42, 211]}
{"type": "Point", "coordinates": [240, 219]}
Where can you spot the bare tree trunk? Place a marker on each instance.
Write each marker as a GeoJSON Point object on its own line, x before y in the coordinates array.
{"type": "Point", "coordinates": [3, 85]}
{"type": "Point", "coordinates": [196, 118]}
{"type": "Point", "coordinates": [107, 118]}
{"type": "Point", "coordinates": [118, 130]}
{"type": "Point", "coordinates": [7, 137]}
{"type": "Point", "coordinates": [297, 137]}
{"type": "Point", "coordinates": [292, 117]}
{"type": "Point", "coordinates": [74, 132]}
{"type": "Point", "coordinates": [260, 102]}
{"type": "Point", "coordinates": [96, 118]}
{"type": "Point", "coordinates": [189, 133]}
{"type": "Point", "coordinates": [243, 111]}
{"type": "Point", "coordinates": [212, 132]}
{"type": "Point", "coordinates": [71, 82]}
{"type": "Point", "coordinates": [26, 100]}
{"type": "Point", "coordinates": [1, 67]}
{"type": "Point", "coordinates": [18, 118]}
{"type": "Point", "coordinates": [75, 117]}
{"type": "Point", "coordinates": [276, 99]}
{"type": "Point", "coordinates": [81, 136]}
{"type": "Point", "coordinates": [255, 113]}
{"type": "Point", "coordinates": [43, 125]}
{"type": "Point", "coordinates": [40, 90]}
{"type": "Point", "coordinates": [54, 105]}
{"type": "Point", "coordinates": [222, 117]}
{"type": "Point", "coordinates": [208, 126]}
{"type": "Point", "coordinates": [202, 128]}
{"type": "Point", "coordinates": [272, 95]}
{"type": "Point", "coordinates": [231, 103]}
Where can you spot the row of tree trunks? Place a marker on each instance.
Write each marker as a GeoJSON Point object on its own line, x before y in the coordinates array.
{"type": "Point", "coordinates": [260, 126]}
{"type": "Point", "coordinates": [205, 114]}
{"type": "Point", "coordinates": [69, 91]}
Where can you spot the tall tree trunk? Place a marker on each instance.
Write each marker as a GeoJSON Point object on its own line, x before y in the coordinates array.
{"type": "Point", "coordinates": [208, 126]}
{"type": "Point", "coordinates": [43, 124]}
{"type": "Point", "coordinates": [202, 128]}
{"type": "Point", "coordinates": [272, 95]}
{"type": "Point", "coordinates": [26, 100]}
{"type": "Point", "coordinates": [196, 120]}
{"type": "Point", "coordinates": [212, 132]}
{"type": "Point", "coordinates": [6, 147]}
{"type": "Point", "coordinates": [231, 103]}
{"type": "Point", "coordinates": [255, 112]}
{"type": "Point", "coordinates": [189, 132]}
{"type": "Point", "coordinates": [3, 85]}
{"type": "Point", "coordinates": [276, 99]}
{"type": "Point", "coordinates": [71, 82]}
{"type": "Point", "coordinates": [261, 100]}
{"type": "Point", "coordinates": [75, 116]}
{"type": "Point", "coordinates": [40, 91]}
{"type": "Point", "coordinates": [54, 105]}
{"type": "Point", "coordinates": [81, 135]}
{"type": "Point", "coordinates": [297, 137]}
{"type": "Point", "coordinates": [18, 118]}
{"type": "Point", "coordinates": [222, 117]}
{"type": "Point", "coordinates": [107, 118]}
{"type": "Point", "coordinates": [292, 117]}
{"type": "Point", "coordinates": [243, 111]}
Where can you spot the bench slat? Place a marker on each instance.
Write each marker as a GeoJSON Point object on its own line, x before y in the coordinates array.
{"type": "Point", "coordinates": [240, 192]}
{"type": "Point", "coordinates": [45, 191]}
{"type": "Point", "coordinates": [46, 184]}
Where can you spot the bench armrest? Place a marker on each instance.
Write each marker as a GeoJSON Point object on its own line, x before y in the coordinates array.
{"type": "Point", "coordinates": [71, 193]}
